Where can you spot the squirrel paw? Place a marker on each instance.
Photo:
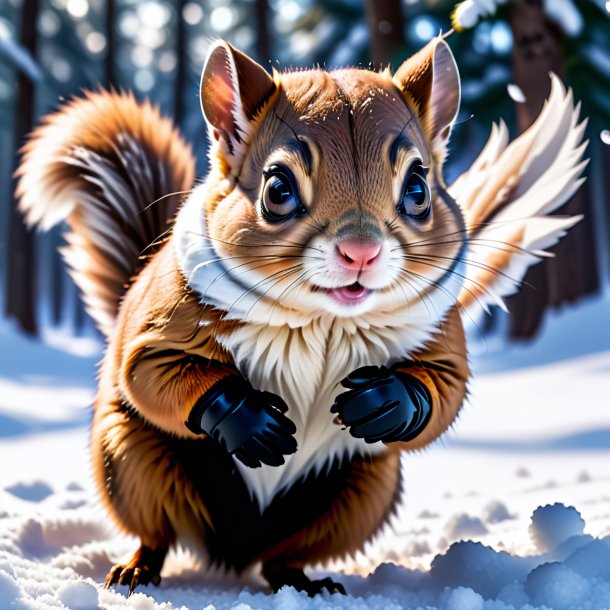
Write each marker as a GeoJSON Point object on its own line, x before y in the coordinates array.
{"type": "Point", "coordinates": [250, 424]}
{"type": "Point", "coordinates": [142, 569]}
{"type": "Point", "coordinates": [383, 405]}
{"type": "Point", "coordinates": [295, 577]}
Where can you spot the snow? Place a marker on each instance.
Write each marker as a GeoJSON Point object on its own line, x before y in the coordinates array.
{"type": "Point", "coordinates": [462, 526]}
{"type": "Point", "coordinates": [515, 93]}
{"type": "Point", "coordinates": [495, 512]}
{"type": "Point", "coordinates": [20, 57]}
{"type": "Point", "coordinates": [468, 13]}
{"type": "Point", "coordinates": [565, 14]}
{"type": "Point", "coordinates": [553, 524]}
{"type": "Point", "coordinates": [509, 511]}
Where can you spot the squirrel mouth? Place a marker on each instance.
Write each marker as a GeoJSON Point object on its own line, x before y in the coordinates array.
{"type": "Point", "coordinates": [348, 295]}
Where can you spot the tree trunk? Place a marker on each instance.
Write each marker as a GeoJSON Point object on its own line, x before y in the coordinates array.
{"type": "Point", "coordinates": [573, 272]}
{"type": "Point", "coordinates": [181, 64]}
{"type": "Point", "coordinates": [21, 271]}
{"type": "Point", "coordinates": [386, 27]}
{"type": "Point", "coordinates": [56, 270]}
{"type": "Point", "coordinates": [110, 25]}
{"type": "Point", "coordinates": [263, 48]}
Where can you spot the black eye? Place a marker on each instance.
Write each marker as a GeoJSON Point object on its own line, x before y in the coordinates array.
{"type": "Point", "coordinates": [415, 201]}
{"type": "Point", "coordinates": [280, 200]}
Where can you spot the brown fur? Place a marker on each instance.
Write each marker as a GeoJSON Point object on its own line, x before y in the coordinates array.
{"type": "Point", "coordinates": [366, 503]}
{"type": "Point", "coordinates": [349, 138]}
{"type": "Point", "coordinates": [155, 354]}
{"type": "Point", "coordinates": [350, 118]}
{"type": "Point", "coordinates": [57, 180]}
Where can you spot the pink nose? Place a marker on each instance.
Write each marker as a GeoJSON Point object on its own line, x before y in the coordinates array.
{"type": "Point", "coordinates": [358, 254]}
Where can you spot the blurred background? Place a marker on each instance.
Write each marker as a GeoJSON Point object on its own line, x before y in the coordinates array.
{"type": "Point", "coordinates": [536, 427]}
{"type": "Point", "coordinates": [52, 49]}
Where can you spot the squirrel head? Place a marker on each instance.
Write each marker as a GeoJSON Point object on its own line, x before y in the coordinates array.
{"type": "Point", "coordinates": [326, 193]}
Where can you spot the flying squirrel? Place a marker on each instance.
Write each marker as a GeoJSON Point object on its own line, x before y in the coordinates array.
{"type": "Point", "coordinates": [280, 332]}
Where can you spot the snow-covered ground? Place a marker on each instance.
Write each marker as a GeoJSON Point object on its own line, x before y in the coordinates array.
{"type": "Point", "coordinates": [536, 432]}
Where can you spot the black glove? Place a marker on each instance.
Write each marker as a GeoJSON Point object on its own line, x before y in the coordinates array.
{"type": "Point", "coordinates": [249, 424]}
{"type": "Point", "coordinates": [383, 405]}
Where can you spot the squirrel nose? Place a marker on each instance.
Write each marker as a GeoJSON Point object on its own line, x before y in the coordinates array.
{"type": "Point", "coordinates": [358, 254]}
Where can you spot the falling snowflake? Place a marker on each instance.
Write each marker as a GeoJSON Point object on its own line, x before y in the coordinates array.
{"type": "Point", "coordinates": [468, 13]}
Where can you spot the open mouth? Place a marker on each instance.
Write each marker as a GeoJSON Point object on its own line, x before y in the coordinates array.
{"type": "Point", "coordinates": [348, 295]}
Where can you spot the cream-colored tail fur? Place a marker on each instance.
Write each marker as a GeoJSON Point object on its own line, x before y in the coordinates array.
{"type": "Point", "coordinates": [508, 192]}
{"type": "Point", "coordinates": [106, 164]}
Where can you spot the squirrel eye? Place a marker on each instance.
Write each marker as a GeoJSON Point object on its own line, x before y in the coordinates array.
{"type": "Point", "coordinates": [415, 201]}
{"type": "Point", "coordinates": [280, 200]}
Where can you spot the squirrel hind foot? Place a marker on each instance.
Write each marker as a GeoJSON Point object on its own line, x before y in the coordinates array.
{"type": "Point", "coordinates": [295, 577]}
{"type": "Point", "coordinates": [143, 568]}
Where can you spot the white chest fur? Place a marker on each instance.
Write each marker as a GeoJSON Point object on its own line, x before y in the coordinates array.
{"type": "Point", "coordinates": [305, 365]}
{"type": "Point", "coordinates": [302, 357]}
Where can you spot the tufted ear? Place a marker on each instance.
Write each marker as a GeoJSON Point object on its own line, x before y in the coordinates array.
{"type": "Point", "coordinates": [431, 83]}
{"type": "Point", "coordinates": [234, 89]}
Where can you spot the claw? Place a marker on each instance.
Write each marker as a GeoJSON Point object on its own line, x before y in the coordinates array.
{"type": "Point", "coordinates": [142, 569]}
{"type": "Point", "coordinates": [135, 581]}
{"type": "Point", "coordinates": [113, 575]}
{"type": "Point", "coordinates": [330, 585]}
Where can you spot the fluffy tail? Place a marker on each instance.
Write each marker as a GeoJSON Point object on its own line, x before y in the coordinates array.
{"type": "Point", "coordinates": [509, 191]}
{"type": "Point", "coordinates": [115, 170]}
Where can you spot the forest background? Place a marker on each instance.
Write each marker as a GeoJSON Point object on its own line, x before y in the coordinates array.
{"type": "Point", "coordinates": [51, 50]}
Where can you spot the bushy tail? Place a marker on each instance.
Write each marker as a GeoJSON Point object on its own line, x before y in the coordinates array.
{"type": "Point", "coordinates": [509, 192]}
{"type": "Point", "coordinates": [115, 170]}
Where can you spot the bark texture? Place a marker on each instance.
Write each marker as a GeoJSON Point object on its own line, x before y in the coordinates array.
{"type": "Point", "coordinates": [386, 26]}
{"type": "Point", "coordinates": [263, 46]}
{"type": "Point", "coordinates": [22, 268]}
{"type": "Point", "coordinates": [573, 272]}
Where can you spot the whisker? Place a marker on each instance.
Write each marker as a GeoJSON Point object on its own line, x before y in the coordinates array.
{"type": "Point", "coordinates": [315, 225]}
{"type": "Point", "coordinates": [263, 294]}
{"type": "Point", "coordinates": [289, 244]}
{"type": "Point", "coordinates": [163, 197]}
{"type": "Point", "coordinates": [407, 298]}
{"type": "Point", "coordinates": [475, 227]}
{"type": "Point", "coordinates": [303, 277]}
{"type": "Point", "coordinates": [454, 272]}
{"type": "Point", "coordinates": [461, 307]}
{"type": "Point", "coordinates": [230, 271]}
{"type": "Point", "coordinates": [464, 287]}
{"type": "Point", "coordinates": [156, 240]}
{"type": "Point", "coordinates": [421, 296]}
{"type": "Point", "coordinates": [451, 295]}
{"type": "Point", "coordinates": [422, 258]}
{"type": "Point", "coordinates": [303, 283]}
{"type": "Point", "coordinates": [510, 248]}
{"type": "Point", "coordinates": [255, 257]}
{"type": "Point", "coordinates": [282, 273]}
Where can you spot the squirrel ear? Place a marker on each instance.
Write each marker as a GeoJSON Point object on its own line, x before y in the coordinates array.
{"type": "Point", "coordinates": [234, 88]}
{"type": "Point", "coordinates": [431, 83]}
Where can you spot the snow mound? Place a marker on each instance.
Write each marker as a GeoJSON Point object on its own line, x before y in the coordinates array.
{"type": "Point", "coordinates": [478, 567]}
{"type": "Point", "coordinates": [592, 560]}
{"type": "Point", "coordinates": [462, 525]}
{"type": "Point", "coordinates": [59, 562]}
{"type": "Point", "coordinates": [464, 599]}
{"type": "Point", "coordinates": [496, 512]}
{"type": "Point", "coordinates": [36, 491]}
{"type": "Point", "coordinates": [78, 596]}
{"type": "Point", "coordinates": [553, 524]}
{"type": "Point", "coordinates": [55, 548]}
{"type": "Point", "coordinates": [557, 586]}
